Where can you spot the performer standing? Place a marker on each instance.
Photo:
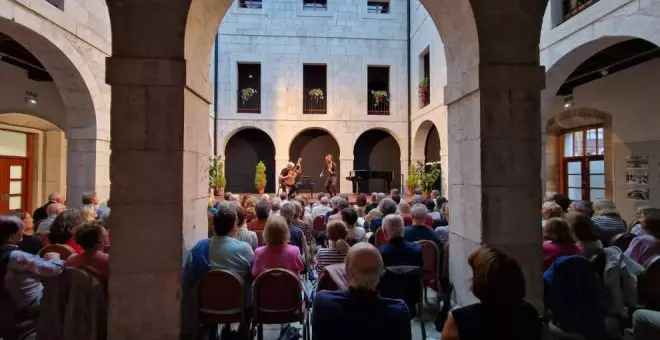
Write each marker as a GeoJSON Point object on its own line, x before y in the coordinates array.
{"type": "Point", "coordinates": [288, 177]}
{"type": "Point", "coordinates": [330, 171]}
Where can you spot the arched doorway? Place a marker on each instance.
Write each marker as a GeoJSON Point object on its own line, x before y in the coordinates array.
{"type": "Point", "coordinates": [377, 150]}
{"type": "Point", "coordinates": [432, 146]}
{"type": "Point", "coordinates": [312, 145]}
{"type": "Point", "coordinates": [243, 151]}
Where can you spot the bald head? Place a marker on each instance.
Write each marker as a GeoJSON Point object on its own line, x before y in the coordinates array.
{"type": "Point", "coordinates": [55, 209]}
{"type": "Point", "coordinates": [364, 266]}
{"type": "Point", "coordinates": [55, 197]}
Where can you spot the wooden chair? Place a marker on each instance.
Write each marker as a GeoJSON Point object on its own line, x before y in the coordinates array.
{"type": "Point", "coordinates": [622, 241]}
{"type": "Point", "coordinates": [277, 295]}
{"type": "Point", "coordinates": [221, 300]}
{"type": "Point", "coordinates": [431, 261]}
{"type": "Point", "coordinates": [380, 238]}
{"type": "Point", "coordinates": [61, 249]}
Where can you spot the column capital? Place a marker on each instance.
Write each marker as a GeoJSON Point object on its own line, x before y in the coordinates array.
{"type": "Point", "coordinates": [146, 71]}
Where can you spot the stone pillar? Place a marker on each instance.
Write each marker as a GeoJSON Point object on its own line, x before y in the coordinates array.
{"type": "Point", "coordinates": [80, 170]}
{"type": "Point", "coordinates": [54, 170]}
{"type": "Point", "coordinates": [495, 161]}
{"type": "Point", "coordinates": [345, 167]}
{"type": "Point", "coordinates": [159, 172]}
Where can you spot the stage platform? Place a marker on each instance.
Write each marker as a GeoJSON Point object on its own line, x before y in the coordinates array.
{"type": "Point", "coordinates": [351, 197]}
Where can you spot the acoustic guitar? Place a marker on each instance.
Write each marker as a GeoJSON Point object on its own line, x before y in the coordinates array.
{"type": "Point", "coordinates": [290, 179]}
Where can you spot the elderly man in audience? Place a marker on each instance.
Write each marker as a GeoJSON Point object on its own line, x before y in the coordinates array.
{"type": "Point", "coordinates": [334, 202]}
{"type": "Point", "coordinates": [275, 206]}
{"type": "Point", "coordinates": [341, 205]}
{"type": "Point", "coordinates": [321, 208]}
{"type": "Point", "coordinates": [42, 212]}
{"type": "Point", "coordinates": [398, 251]}
{"type": "Point", "coordinates": [43, 227]}
{"type": "Point", "coordinates": [419, 231]}
{"type": "Point", "coordinates": [550, 210]}
{"type": "Point", "coordinates": [373, 204]}
{"type": "Point", "coordinates": [92, 238]}
{"type": "Point", "coordinates": [21, 273]}
{"type": "Point", "coordinates": [360, 313]}
{"type": "Point", "coordinates": [387, 207]}
{"type": "Point", "coordinates": [64, 227]}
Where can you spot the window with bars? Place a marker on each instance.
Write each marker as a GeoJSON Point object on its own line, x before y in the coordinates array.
{"type": "Point", "coordinates": [256, 4]}
{"type": "Point", "coordinates": [315, 5]}
{"type": "Point", "coordinates": [583, 161]}
{"type": "Point", "coordinates": [249, 88]}
{"type": "Point", "coordinates": [376, 6]}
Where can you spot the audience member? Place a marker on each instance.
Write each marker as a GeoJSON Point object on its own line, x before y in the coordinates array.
{"type": "Point", "coordinates": [374, 213]}
{"type": "Point", "coordinates": [646, 246]}
{"type": "Point", "coordinates": [90, 202]}
{"type": "Point", "coordinates": [642, 214]}
{"type": "Point", "coordinates": [585, 232]}
{"type": "Point", "coordinates": [91, 237]}
{"type": "Point", "coordinates": [31, 243]}
{"type": "Point", "coordinates": [336, 247]}
{"type": "Point", "coordinates": [322, 208]}
{"type": "Point", "coordinates": [227, 196]}
{"type": "Point", "coordinates": [64, 228]}
{"type": "Point", "coordinates": [398, 251]}
{"type": "Point", "coordinates": [443, 231]}
{"type": "Point", "coordinates": [334, 202]}
{"type": "Point", "coordinates": [21, 273]}
{"type": "Point", "coordinates": [89, 213]}
{"type": "Point", "coordinates": [242, 232]}
{"type": "Point", "coordinates": [502, 313]}
{"type": "Point", "coordinates": [404, 211]}
{"type": "Point", "coordinates": [396, 198]}
{"type": "Point", "coordinates": [559, 241]}
{"type": "Point", "coordinates": [418, 231]}
{"type": "Point", "coordinates": [563, 201]}
{"type": "Point", "coordinates": [550, 210]}
{"type": "Point", "coordinates": [361, 205]}
{"type": "Point", "coordinates": [307, 210]}
{"type": "Point", "coordinates": [296, 237]}
{"type": "Point", "coordinates": [41, 212]}
{"type": "Point", "coordinates": [284, 198]}
{"type": "Point", "coordinates": [262, 216]}
{"type": "Point", "coordinates": [341, 205]}
{"type": "Point", "coordinates": [299, 221]}
{"type": "Point", "coordinates": [435, 214]}
{"type": "Point", "coordinates": [277, 253]}
{"type": "Point", "coordinates": [53, 210]}
{"type": "Point", "coordinates": [355, 233]}
{"type": "Point", "coordinates": [275, 206]}
{"type": "Point", "coordinates": [581, 206]}
{"type": "Point", "coordinates": [417, 198]}
{"type": "Point", "coordinates": [646, 324]}
{"type": "Point", "coordinates": [373, 204]}
{"type": "Point", "coordinates": [435, 193]}
{"type": "Point", "coordinates": [608, 221]}
{"type": "Point", "coordinates": [386, 207]}
{"type": "Point", "coordinates": [360, 313]}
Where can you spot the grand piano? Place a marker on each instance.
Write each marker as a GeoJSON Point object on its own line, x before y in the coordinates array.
{"type": "Point", "coordinates": [357, 176]}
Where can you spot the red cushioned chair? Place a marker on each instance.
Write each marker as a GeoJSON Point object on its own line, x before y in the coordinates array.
{"type": "Point", "coordinates": [431, 261]}
{"type": "Point", "coordinates": [278, 300]}
{"type": "Point", "coordinates": [380, 238]}
{"type": "Point", "coordinates": [61, 249]}
{"type": "Point", "coordinates": [622, 241]}
{"type": "Point", "coordinates": [318, 225]}
{"type": "Point", "coordinates": [221, 300]}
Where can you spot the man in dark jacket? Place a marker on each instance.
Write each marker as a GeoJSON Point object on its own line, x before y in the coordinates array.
{"type": "Point", "coordinates": [41, 212]}
{"type": "Point", "coordinates": [419, 230]}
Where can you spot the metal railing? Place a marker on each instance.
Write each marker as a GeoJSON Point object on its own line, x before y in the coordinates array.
{"type": "Point", "coordinates": [424, 97]}
{"type": "Point", "coordinates": [248, 105]}
{"type": "Point", "coordinates": [315, 104]}
{"type": "Point", "coordinates": [378, 7]}
{"type": "Point", "coordinates": [378, 104]}
{"type": "Point", "coordinates": [315, 5]}
{"type": "Point", "coordinates": [570, 8]}
{"type": "Point", "coordinates": [257, 4]}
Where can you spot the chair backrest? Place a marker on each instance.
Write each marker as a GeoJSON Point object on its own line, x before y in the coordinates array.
{"type": "Point", "coordinates": [648, 282]}
{"type": "Point", "coordinates": [260, 237]}
{"type": "Point", "coordinates": [61, 249]}
{"type": "Point", "coordinates": [598, 262]}
{"type": "Point", "coordinates": [380, 237]}
{"type": "Point", "coordinates": [402, 282]}
{"type": "Point", "coordinates": [431, 259]}
{"type": "Point", "coordinates": [622, 241]}
{"type": "Point", "coordinates": [326, 283]}
{"type": "Point", "coordinates": [221, 296]}
{"type": "Point", "coordinates": [319, 224]}
{"type": "Point", "coordinates": [277, 297]}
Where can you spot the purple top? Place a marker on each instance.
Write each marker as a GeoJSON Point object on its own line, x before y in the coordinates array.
{"type": "Point", "coordinates": [283, 256]}
{"type": "Point", "coordinates": [643, 248]}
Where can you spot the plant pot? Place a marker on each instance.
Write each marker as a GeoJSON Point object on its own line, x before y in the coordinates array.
{"type": "Point", "coordinates": [219, 192]}
{"type": "Point", "coordinates": [410, 191]}
{"type": "Point", "coordinates": [427, 194]}
{"type": "Point", "coordinates": [260, 191]}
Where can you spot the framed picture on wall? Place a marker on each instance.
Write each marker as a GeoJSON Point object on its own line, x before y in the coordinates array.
{"type": "Point", "coordinates": [638, 194]}
{"type": "Point", "coordinates": [637, 162]}
{"type": "Point", "coordinates": [637, 177]}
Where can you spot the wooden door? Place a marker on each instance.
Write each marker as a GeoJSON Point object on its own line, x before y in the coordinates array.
{"type": "Point", "coordinates": [13, 184]}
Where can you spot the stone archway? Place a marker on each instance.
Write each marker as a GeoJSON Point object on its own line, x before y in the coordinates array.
{"type": "Point", "coordinates": [243, 150]}
{"type": "Point", "coordinates": [312, 145]}
{"type": "Point", "coordinates": [159, 75]}
{"type": "Point", "coordinates": [422, 152]}
{"type": "Point", "coordinates": [377, 150]}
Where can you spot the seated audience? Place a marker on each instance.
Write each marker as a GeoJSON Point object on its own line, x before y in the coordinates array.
{"type": "Point", "coordinates": [262, 213]}
{"type": "Point", "coordinates": [642, 214]}
{"type": "Point", "coordinates": [21, 274]}
{"type": "Point", "coordinates": [31, 243]}
{"type": "Point", "coordinates": [275, 206]}
{"type": "Point", "coordinates": [585, 232]}
{"type": "Point", "coordinates": [242, 232]}
{"type": "Point", "coordinates": [359, 312]}
{"type": "Point", "coordinates": [307, 210]}
{"type": "Point", "coordinates": [646, 324]}
{"type": "Point", "coordinates": [418, 231]}
{"type": "Point", "coordinates": [43, 228]}
{"type": "Point", "coordinates": [277, 253]}
{"type": "Point", "coordinates": [550, 210]}
{"type": "Point", "coordinates": [342, 204]}
{"type": "Point", "coordinates": [355, 233]}
{"type": "Point", "coordinates": [334, 202]}
{"type": "Point", "coordinates": [558, 241]}
{"type": "Point", "coordinates": [398, 251]}
{"type": "Point", "coordinates": [563, 201]}
{"type": "Point", "coordinates": [502, 313]}
{"type": "Point", "coordinates": [386, 207]}
{"type": "Point", "coordinates": [321, 208]}
{"type": "Point", "coordinates": [64, 228]}
{"type": "Point", "coordinates": [360, 205]}
{"type": "Point", "coordinates": [89, 213]}
{"type": "Point", "coordinates": [296, 237]}
{"type": "Point", "coordinates": [284, 198]}
{"type": "Point", "coordinates": [646, 246]}
{"type": "Point", "coordinates": [581, 206]}
{"type": "Point", "coordinates": [299, 221]}
{"type": "Point", "coordinates": [404, 211]}
{"type": "Point", "coordinates": [435, 213]}
{"type": "Point", "coordinates": [90, 206]}
{"type": "Point", "coordinates": [443, 231]}
{"type": "Point", "coordinates": [91, 237]}
{"type": "Point", "coordinates": [336, 246]}
{"type": "Point", "coordinates": [227, 196]}
{"type": "Point", "coordinates": [41, 213]}
{"type": "Point", "coordinates": [608, 221]}
{"type": "Point", "coordinates": [373, 204]}
{"type": "Point", "coordinates": [374, 213]}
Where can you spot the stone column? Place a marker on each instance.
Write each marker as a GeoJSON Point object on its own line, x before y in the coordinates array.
{"type": "Point", "coordinates": [495, 161]}
{"type": "Point", "coordinates": [345, 167]}
{"type": "Point", "coordinates": [159, 171]}
{"type": "Point", "coordinates": [80, 170]}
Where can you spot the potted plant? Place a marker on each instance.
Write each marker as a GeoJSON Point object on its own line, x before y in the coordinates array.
{"type": "Point", "coordinates": [248, 93]}
{"type": "Point", "coordinates": [217, 181]}
{"type": "Point", "coordinates": [412, 180]}
{"type": "Point", "coordinates": [427, 177]}
{"type": "Point", "coordinates": [260, 177]}
{"type": "Point", "coordinates": [423, 91]}
{"type": "Point", "coordinates": [379, 96]}
{"type": "Point", "coordinates": [316, 94]}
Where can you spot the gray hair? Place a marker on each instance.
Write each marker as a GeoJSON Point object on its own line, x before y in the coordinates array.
{"type": "Point", "coordinates": [419, 212]}
{"type": "Point", "coordinates": [275, 204]}
{"type": "Point", "coordinates": [334, 201]}
{"type": "Point", "coordinates": [417, 199]}
{"type": "Point", "coordinates": [381, 196]}
{"type": "Point", "coordinates": [288, 211]}
{"type": "Point", "coordinates": [324, 200]}
{"type": "Point", "coordinates": [364, 266]}
{"type": "Point", "coordinates": [343, 204]}
{"type": "Point", "coordinates": [393, 225]}
{"type": "Point", "coordinates": [387, 206]}
{"type": "Point", "coordinates": [374, 196]}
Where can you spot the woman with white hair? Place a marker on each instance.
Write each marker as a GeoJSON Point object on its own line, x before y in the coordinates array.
{"type": "Point", "coordinates": [608, 221]}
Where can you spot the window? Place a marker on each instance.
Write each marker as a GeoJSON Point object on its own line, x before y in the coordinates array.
{"type": "Point", "coordinates": [424, 86]}
{"type": "Point", "coordinates": [572, 7]}
{"type": "Point", "coordinates": [378, 6]}
{"type": "Point", "coordinates": [315, 89]}
{"type": "Point", "coordinates": [57, 3]}
{"type": "Point", "coordinates": [315, 5]}
{"type": "Point", "coordinates": [378, 90]}
{"type": "Point", "coordinates": [249, 88]}
{"type": "Point", "coordinates": [250, 4]}
{"type": "Point", "coordinates": [584, 163]}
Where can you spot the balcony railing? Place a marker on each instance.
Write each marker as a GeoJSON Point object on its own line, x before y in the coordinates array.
{"type": "Point", "coordinates": [314, 104]}
{"type": "Point", "coordinates": [250, 4]}
{"type": "Point", "coordinates": [573, 7]}
{"type": "Point", "coordinates": [248, 105]}
{"type": "Point", "coordinates": [315, 5]}
{"type": "Point", "coordinates": [378, 104]}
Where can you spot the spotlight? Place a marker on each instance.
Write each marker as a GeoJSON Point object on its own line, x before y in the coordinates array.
{"type": "Point", "coordinates": [31, 98]}
{"type": "Point", "coordinates": [604, 72]}
{"type": "Point", "coordinates": [568, 102]}
{"type": "Point", "coordinates": [250, 76]}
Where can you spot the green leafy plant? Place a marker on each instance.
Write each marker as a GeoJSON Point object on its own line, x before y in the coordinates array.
{"type": "Point", "coordinates": [427, 176]}
{"type": "Point", "coordinates": [260, 180]}
{"type": "Point", "coordinates": [248, 93]}
{"type": "Point", "coordinates": [423, 84]}
{"type": "Point", "coordinates": [412, 180]}
{"type": "Point", "coordinates": [379, 96]}
{"type": "Point", "coordinates": [317, 94]}
{"type": "Point", "coordinates": [217, 178]}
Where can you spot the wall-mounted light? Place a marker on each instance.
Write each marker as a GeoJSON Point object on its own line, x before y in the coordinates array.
{"type": "Point", "coordinates": [568, 101]}
{"type": "Point", "coordinates": [31, 98]}
{"type": "Point", "coordinates": [250, 75]}
{"type": "Point", "coordinates": [604, 72]}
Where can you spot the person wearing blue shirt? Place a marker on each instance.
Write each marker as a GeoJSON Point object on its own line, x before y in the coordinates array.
{"type": "Point", "coordinates": [418, 231]}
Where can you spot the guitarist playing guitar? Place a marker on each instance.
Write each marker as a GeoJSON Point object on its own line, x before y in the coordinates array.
{"type": "Point", "coordinates": [288, 177]}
